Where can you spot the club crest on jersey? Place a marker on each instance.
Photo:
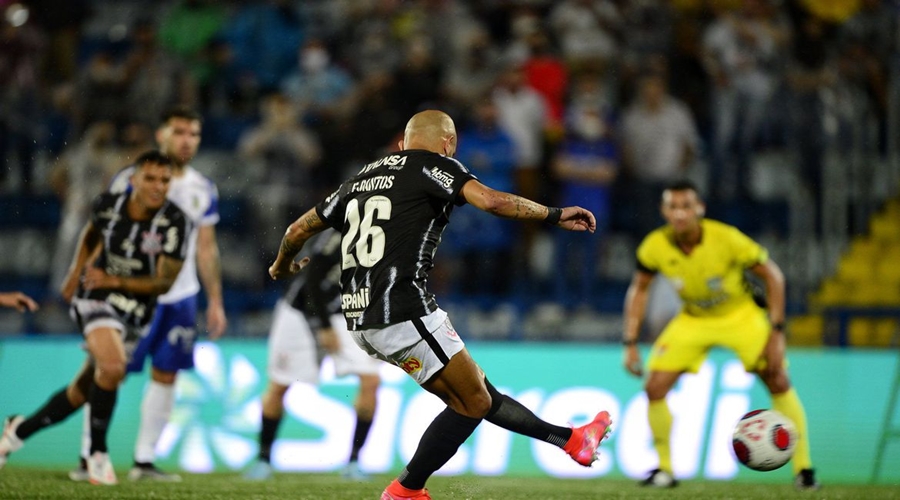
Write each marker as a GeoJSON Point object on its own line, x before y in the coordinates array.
{"type": "Point", "coordinates": [411, 365]}
{"type": "Point", "coordinates": [151, 242]}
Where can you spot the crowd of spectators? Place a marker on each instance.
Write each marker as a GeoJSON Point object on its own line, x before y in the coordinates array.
{"type": "Point", "coordinates": [591, 102]}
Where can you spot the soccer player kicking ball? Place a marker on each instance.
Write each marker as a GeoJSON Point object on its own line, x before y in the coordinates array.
{"type": "Point", "coordinates": [310, 313]}
{"type": "Point", "coordinates": [391, 216]}
{"type": "Point", "coordinates": [142, 239]}
{"type": "Point", "coordinates": [706, 260]}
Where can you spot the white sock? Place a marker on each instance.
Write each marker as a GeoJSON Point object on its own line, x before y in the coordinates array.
{"type": "Point", "coordinates": [86, 430]}
{"type": "Point", "coordinates": [155, 410]}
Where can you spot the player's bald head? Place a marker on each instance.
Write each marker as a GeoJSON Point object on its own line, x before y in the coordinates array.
{"type": "Point", "coordinates": [431, 130]}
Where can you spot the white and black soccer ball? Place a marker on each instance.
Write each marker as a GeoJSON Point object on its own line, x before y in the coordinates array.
{"type": "Point", "coordinates": [764, 440]}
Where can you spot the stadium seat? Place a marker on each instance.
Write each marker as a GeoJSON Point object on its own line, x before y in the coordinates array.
{"type": "Point", "coordinates": [806, 330]}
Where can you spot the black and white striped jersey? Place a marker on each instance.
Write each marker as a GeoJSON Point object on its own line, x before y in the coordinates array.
{"type": "Point", "coordinates": [131, 248]}
{"type": "Point", "coordinates": [316, 292]}
{"type": "Point", "coordinates": [391, 216]}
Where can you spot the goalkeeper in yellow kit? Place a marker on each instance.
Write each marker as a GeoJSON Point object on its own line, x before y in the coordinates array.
{"type": "Point", "coordinates": [706, 260]}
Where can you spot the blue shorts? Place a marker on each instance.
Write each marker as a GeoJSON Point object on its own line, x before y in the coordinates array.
{"type": "Point", "coordinates": [170, 338]}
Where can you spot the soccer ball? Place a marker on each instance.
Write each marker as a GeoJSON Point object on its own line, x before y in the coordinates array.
{"type": "Point", "coordinates": [764, 440]}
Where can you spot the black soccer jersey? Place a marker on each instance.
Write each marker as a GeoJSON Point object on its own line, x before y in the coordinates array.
{"type": "Point", "coordinates": [131, 248]}
{"type": "Point", "coordinates": [316, 291]}
{"type": "Point", "coordinates": [391, 215]}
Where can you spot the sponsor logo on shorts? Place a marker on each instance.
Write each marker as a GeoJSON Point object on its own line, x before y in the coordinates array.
{"type": "Point", "coordinates": [411, 365]}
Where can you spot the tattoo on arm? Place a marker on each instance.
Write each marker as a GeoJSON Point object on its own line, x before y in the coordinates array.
{"type": "Point", "coordinates": [523, 208]}
{"type": "Point", "coordinates": [288, 248]}
{"type": "Point", "coordinates": [169, 268]}
{"type": "Point", "coordinates": [166, 272]}
{"type": "Point", "coordinates": [311, 221]}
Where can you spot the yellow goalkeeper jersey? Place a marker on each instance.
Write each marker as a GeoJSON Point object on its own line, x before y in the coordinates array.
{"type": "Point", "coordinates": [710, 280]}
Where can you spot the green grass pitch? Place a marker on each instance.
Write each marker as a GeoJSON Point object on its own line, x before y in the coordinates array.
{"type": "Point", "coordinates": [46, 484]}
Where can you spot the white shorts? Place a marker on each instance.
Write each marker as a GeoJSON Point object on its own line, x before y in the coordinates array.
{"type": "Point", "coordinates": [90, 314]}
{"type": "Point", "coordinates": [293, 353]}
{"type": "Point", "coordinates": [93, 314]}
{"type": "Point", "coordinates": [420, 347]}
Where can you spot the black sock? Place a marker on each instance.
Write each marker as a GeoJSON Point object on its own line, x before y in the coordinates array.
{"type": "Point", "coordinates": [511, 415]}
{"type": "Point", "coordinates": [359, 437]}
{"type": "Point", "coordinates": [438, 445]}
{"type": "Point", "coordinates": [102, 404]}
{"type": "Point", "coordinates": [54, 411]}
{"type": "Point", "coordinates": [267, 437]}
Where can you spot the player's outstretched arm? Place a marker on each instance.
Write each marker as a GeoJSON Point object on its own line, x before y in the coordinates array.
{"type": "Point", "coordinates": [512, 206]}
{"type": "Point", "coordinates": [773, 277]}
{"type": "Point", "coordinates": [635, 307]}
{"type": "Point", "coordinates": [18, 301]}
{"type": "Point", "coordinates": [297, 234]}
{"type": "Point", "coordinates": [88, 243]}
{"type": "Point", "coordinates": [210, 270]}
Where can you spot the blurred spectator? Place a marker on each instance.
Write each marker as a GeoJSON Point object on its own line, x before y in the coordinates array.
{"type": "Point", "coordinates": [324, 94]}
{"type": "Point", "coordinates": [444, 23]}
{"type": "Point", "coordinates": [740, 49]}
{"type": "Point", "coordinates": [875, 26]}
{"type": "Point", "coordinates": [154, 80]}
{"type": "Point", "coordinates": [585, 165]}
{"type": "Point", "coordinates": [317, 86]}
{"type": "Point", "coordinates": [808, 74]}
{"type": "Point", "coordinates": [375, 121]}
{"type": "Point", "coordinates": [475, 72]}
{"type": "Point", "coordinates": [282, 154]}
{"type": "Point", "coordinates": [587, 30]}
{"type": "Point", "coordinates": [868, 39]}
{"type": "Point", "coordinates": [417, 81]}
{"type": "Point", "coordinates": [372, 47]}
{"type": "Point", "coordinates": [659, 144]}
{"type": "Point", "coordinates": [220, 84]}
{"type": "Point", "coordinates": [485, 243]}
{"type": "Point", "coordinates": [81, 173]}
{"type": "Point", "coordinates": [187, 30]}
{"type": "Point", "coordinates": [20, 59]}
{"type": "Point", "coordinates": [690, 82]}
{"type": "Point", "coordinates": [264, 37]}
{"type": "Point", "coordinates": [646, 27]}
{"type": "Point", "coordinates": [61, 23]}
{"type": "Point", "coordinates": [545, 73]}
{"type": "Point", "coordinates": [522, 114]}
{"type": "Point", "coordinates": [98, 92]}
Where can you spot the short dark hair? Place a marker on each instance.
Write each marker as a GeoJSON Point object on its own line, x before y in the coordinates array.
{"type": "Point", "coordinates": [183, 112]}
{"type": "Point", "coordinates": [683, 185]}
{"type": "Point", "coordinates": [155, 157]}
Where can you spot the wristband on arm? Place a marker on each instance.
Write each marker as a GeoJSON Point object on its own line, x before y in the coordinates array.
{"type": "Point", "coordinates": [553, 215]}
